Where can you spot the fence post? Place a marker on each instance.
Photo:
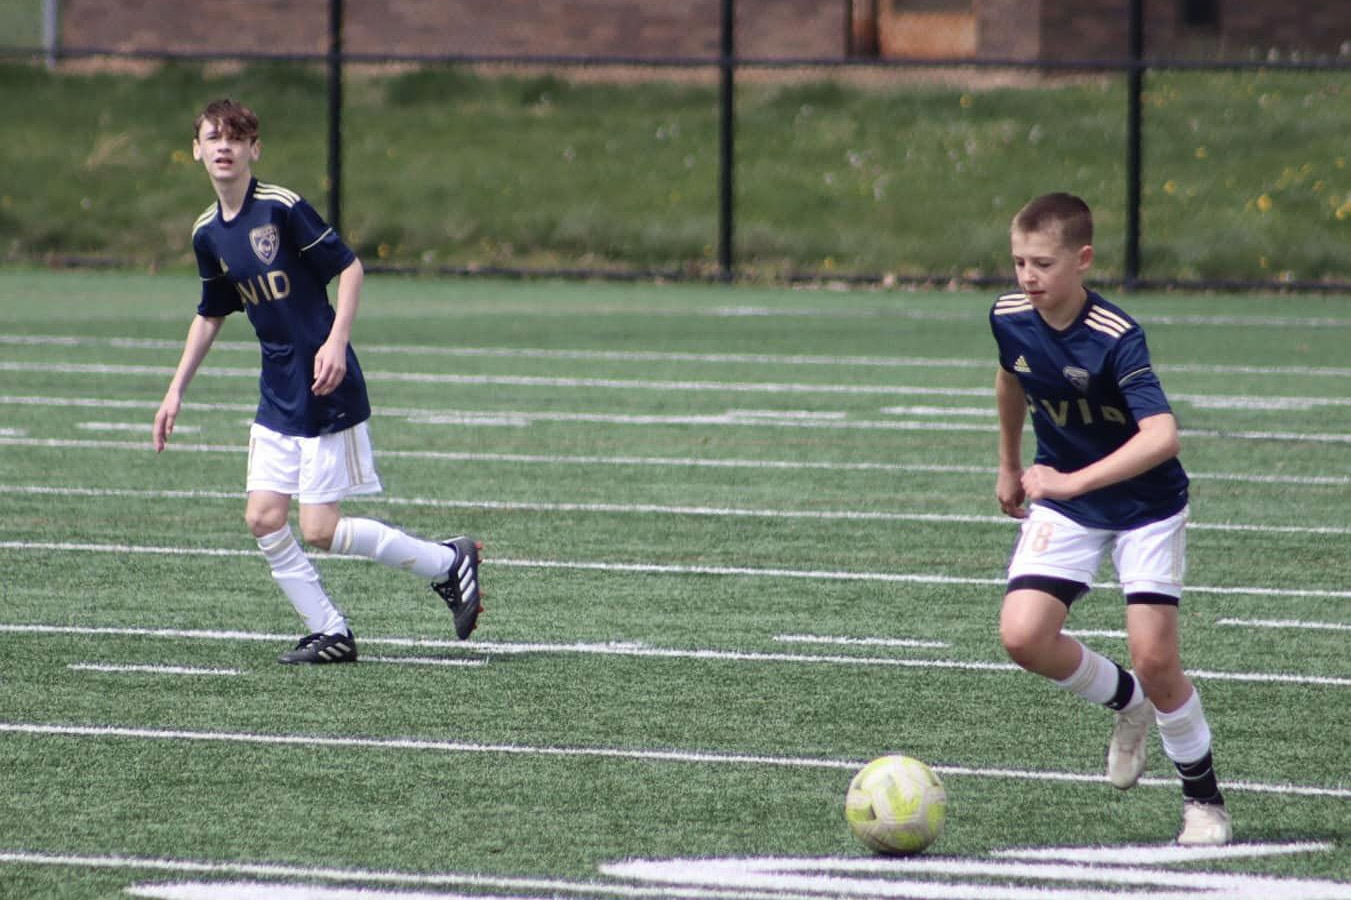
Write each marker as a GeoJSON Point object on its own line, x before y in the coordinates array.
{"type": "Point", "coordinates": [51, 31]}
{"type": "Point", "coordinates": [727, 157]}
{"type": "Point", "coordinates": [1135, 88]}
{"type": "Point", "coordinates": [335, 114]}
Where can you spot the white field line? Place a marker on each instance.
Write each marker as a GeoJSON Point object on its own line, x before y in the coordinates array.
{"type": "Point", "coordinates": [1286, 623]}
{"type": "Point", "coordinates": [859, 641]}
{"type": "Point", "coordinates": [316, 873]}
{"type": "Point", "coordinates": [424, 661]}
{"type": "Point", "coordinates": [271, 890]}
{"type": "Point", "coordinates": [1088, 632]}
{"type": "Point", "coordinates": [730, 419]}
{"type": "Point", "coordinates": [645, 356]}
{"type": "Point", "coordinates": [641, 509]}
{"type": "Point", "coordinates": [638, 384]}
{"type": "Point", "coordinates": [132, 426]}
{"type": "Point", "coordinates": [1156, 855]}
{"type": "Point", "coordinates": [775, 878]}
{"type": "Point", "coordinates": [658, 461]}
{"type": "Point", "coordinates": [666, 386]}
{"type": "Point", "coordinates": [310, 741]}
{"type": "Point", "coordinates": [661, 569]}
{"type": "Point", "coordinates": [151, 670]}
{"type": "Point", "coordinates": [935, 878]}
{"type": "Point", "coordinates": [642, 650]}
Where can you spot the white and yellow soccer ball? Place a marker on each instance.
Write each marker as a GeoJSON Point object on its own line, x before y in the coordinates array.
{"type": "Point", "coordinates": [896, 805]}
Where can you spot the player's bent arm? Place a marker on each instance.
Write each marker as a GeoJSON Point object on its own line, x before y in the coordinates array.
{"type": "Point", "coordinates": [1156, 442]}
{"type": "Point", "coordinates": [350, 281]}
{"type": "Point", "coordinates": [201, 335]}
{"type": "Point", "coordinates": [330, 362]}
{"type": "Point", "coordinates": [1011, 404]}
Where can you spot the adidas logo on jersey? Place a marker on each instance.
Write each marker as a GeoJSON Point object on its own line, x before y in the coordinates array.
{"type": "Point", "coordinates": [1020, 365]}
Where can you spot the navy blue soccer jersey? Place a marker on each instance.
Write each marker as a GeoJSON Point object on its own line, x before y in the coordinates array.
{"type": "Point", "coordinates": [274, 261]}
{"type": "Point", "coordinates": [1087, 388]}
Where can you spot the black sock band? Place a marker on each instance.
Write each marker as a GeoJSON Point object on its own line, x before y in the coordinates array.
{"type": "Point", "coordinates": [1198, 781]}
{"type": "Point", "coordinates": [1125, 689]}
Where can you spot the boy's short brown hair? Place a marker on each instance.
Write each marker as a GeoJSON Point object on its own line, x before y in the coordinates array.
{"type": "Point", "coordinates": [234, 119]}
{"type": "Point", "coordinates": [1063, 213]}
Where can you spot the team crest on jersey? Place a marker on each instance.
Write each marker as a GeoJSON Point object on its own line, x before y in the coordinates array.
{"type": "Point", "coordinates": [266, 241]}
{"type": "Point", "coordinates": [1077, 377]}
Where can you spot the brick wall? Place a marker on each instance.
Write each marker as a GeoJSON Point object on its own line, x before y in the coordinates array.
{"type": "Point", "coordinates": [632, 28]}
{"type": "Point", "coordinates": [1009, 29]}
{"type": "Point", "coordinates": [1323, 26]}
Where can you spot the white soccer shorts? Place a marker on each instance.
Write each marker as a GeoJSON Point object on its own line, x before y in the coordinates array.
{"type": "Point", "coordinates": [1151, 559]}
{"type": "Point", "coordinates": [321, 469]}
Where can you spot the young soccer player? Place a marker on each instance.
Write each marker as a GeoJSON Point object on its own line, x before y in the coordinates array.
{"type": "Point", "coordinates": [262, 249]}
{"type": "Point", "coordinates": [1106, 474]}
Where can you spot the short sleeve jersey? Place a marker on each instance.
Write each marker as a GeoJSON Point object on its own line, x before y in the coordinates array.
{"type": "Point", "coordinates": [274, 261]}
{"type": "Point", "coordinates": [1087, 388]}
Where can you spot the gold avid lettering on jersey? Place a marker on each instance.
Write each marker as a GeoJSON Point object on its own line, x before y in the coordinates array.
{"type": "Point", "coordinates": [1088, 414]}
{"type": "Point", "coordinates": [270, 287]}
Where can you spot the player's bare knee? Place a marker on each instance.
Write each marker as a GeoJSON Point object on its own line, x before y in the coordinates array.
{"type": "Point", "coordinates": [1156, 664]}
{"type": "Point", "coordinates": [265, 521]}
{"type": "Point", "coordinates": [318, 534]}
{"type": "Point", "coordinates": [1023, 645]}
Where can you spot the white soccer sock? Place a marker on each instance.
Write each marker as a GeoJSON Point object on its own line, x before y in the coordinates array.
{"type": "Point", "coordinates": [392, 547]}
{"type": "Point", "coordinates": [1184, 731]}
{"type": "Point", "coordinates": [299, 581]}
{"type": "Point", "coordinates": [1098, 678]}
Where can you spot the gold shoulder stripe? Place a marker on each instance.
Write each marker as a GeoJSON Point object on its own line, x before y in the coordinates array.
{"type": "Point", "coordinates": [1013, 303]}
{"type": "Point", "coordinates": [1105, 329]}
{"type": "Point", "coordinates": [204, 219]}
{"type": "Point", "coordinates": [278, 193]}
{"type": "Point", "coordinates": [1113, 317]}
{"type": "Point", "coordinates": [1105, 324]}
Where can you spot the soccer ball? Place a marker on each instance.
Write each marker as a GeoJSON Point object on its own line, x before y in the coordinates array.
{"type": "Point", "coordinates": [896, 805]}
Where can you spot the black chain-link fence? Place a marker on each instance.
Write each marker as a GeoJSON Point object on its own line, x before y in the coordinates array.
{"type": "Point", "coordinates": [862, 140]}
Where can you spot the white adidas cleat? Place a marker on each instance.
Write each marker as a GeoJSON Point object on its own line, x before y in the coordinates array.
{"type": "Point", "coordinates": [1129, 745]}
{"type": "Point", "coordinates": [1205, 824]}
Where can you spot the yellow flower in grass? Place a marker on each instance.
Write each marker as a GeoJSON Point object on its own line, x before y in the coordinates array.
{"type": "Point", "coordinates": [1264, 203]}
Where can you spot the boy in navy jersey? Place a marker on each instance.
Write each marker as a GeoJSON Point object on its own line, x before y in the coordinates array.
{"type": "Point", "coordinates": [1105, 475]}
{"type": "Point", "coordinates": [263, 250]}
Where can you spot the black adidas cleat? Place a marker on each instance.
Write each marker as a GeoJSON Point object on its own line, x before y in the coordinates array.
{"type": "Point", "coordinates": [317, 649]}
{"type": "Point", "coordinates": [460, 590]}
